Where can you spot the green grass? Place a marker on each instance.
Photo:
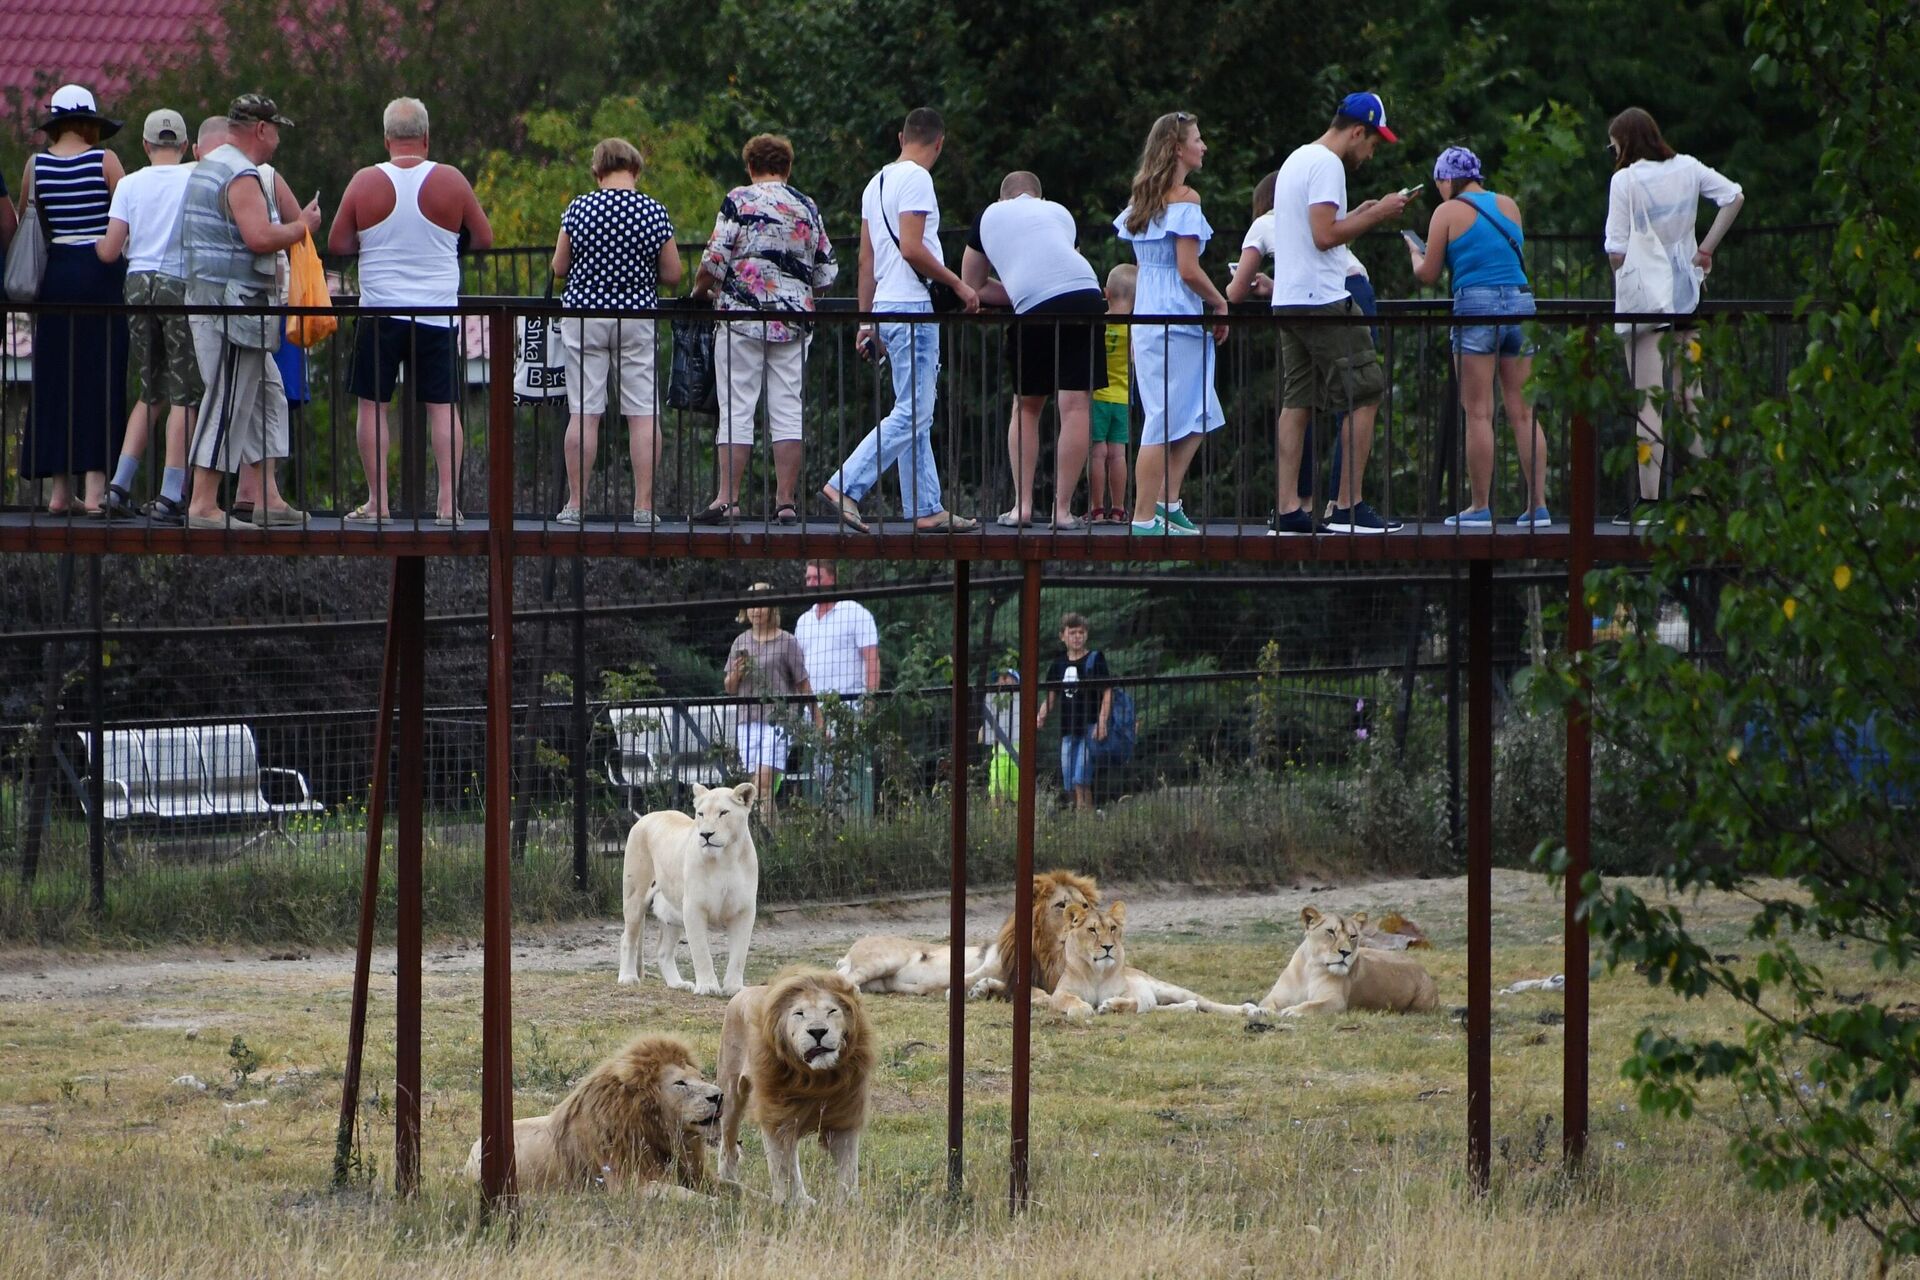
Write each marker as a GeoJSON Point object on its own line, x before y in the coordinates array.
{"type": "Point", "coordinates": [1166, 1145]}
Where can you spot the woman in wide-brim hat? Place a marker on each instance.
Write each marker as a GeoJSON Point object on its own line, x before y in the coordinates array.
{"type": "Point", "coordinates": [79, 361]}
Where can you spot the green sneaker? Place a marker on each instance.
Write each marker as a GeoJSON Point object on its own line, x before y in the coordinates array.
{"type": "Point", "coordinates": [1176, 517]}
{"type": "Point", "coordinates": [1159, 527]}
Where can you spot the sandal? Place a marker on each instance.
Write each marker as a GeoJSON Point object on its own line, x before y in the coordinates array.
{"type": "Point", "coordinates": [847, 511]}
{"type": "Point", "coordinates": [365, 514]}
{"type": "Point", "coordinates": [786, 513]}
{"type": "Point", "coordinates": [1072, 524]}
{"type": "Point", "coordinates": [725, 513]}
{"type": "Point", "coordinates": [947, 522]}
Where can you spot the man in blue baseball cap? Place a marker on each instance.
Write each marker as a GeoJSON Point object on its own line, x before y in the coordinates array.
{"type": "Point", "coordinates": [1332, 368]}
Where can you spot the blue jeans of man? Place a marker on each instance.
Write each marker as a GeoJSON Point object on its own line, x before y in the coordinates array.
{"type": "Point", "coordinates": [904, 438]}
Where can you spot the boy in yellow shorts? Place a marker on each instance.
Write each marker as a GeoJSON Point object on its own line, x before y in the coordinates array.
{"type": "Point", "coordinates": [1112, 411]}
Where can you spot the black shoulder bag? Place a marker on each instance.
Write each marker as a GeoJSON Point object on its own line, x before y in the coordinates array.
{"type": "Point", "coordinates": [939, 292]}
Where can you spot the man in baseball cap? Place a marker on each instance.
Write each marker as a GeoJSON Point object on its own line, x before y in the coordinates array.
{"type": "Point", "coordinates": [1332, 369]}
{"type": "Point", "coordinates": [141, 225]}
{"type": "Point", "coordinates": [256, 108]}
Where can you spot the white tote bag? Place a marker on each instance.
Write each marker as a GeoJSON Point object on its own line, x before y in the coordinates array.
{"type": "Point", "coordinates": [539, 358]}
{"type": "Point", "coordinates": [1644, 282]}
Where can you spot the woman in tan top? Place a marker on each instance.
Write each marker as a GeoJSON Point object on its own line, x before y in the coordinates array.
{"type": "Point", "coordinates": [765, 662]}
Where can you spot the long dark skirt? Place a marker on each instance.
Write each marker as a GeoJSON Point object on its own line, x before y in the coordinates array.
{"type": "Point", "coordinates": [79, 369]}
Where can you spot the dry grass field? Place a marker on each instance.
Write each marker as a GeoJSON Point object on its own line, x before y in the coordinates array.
{"type": "Point", "coordinates": [1168, 1145]}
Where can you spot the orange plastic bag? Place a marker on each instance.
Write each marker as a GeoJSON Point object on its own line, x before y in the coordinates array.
{"type": "Point", "coordinates": [307, 287]}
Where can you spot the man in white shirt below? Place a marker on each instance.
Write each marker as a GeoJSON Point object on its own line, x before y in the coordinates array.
{"type": "Point", "coordinates": [143, 223]}
{"type": "Point", "coordinates": [899, 254]}
{"type": "Point", "coordinates": [409, 219]}
{"type": "Point", "coordinates": [1033, 246]}
{"type": "Point", "coordinates": [841, 647]}
{"type": "Point", "coordinates": [1333, 368]}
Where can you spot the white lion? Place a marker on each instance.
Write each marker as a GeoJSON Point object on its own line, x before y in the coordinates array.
{"type": "Point", "coordinates": [696, 873]}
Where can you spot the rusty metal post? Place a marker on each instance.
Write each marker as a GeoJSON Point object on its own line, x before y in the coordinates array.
{"type": "Point", "coordinates": [1574, 1043]}
{"type": "Point", "coordinates": [96, 745]}
{"type": "Point", "coordinates": [410, 579]}
{"type": "Point", "coordinates": [1018, 1181]}
{"type": "Point", "coordinates": [1479, 871]}
{"type": "Point", "coordinates": [957, 893]}
{"type": "Point", "coordinates": [496, 1015]}
{"type": "Point", "coordinates": [369, 892]}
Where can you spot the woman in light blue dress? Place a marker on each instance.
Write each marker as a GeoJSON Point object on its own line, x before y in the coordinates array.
{"type": "Point", "coordinates": [1173, 365]}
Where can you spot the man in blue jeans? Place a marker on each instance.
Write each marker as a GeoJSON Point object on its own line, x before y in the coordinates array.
{"type": "Point", "coordinates": [1084, 713]}
{"type": "Point", "coordinates": [899, 254]}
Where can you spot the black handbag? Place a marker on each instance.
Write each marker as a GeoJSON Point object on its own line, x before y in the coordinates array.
{"type": "Point", "coordinates": [939, 292]}
{"type": "Point", "coordinates": [691, 386]}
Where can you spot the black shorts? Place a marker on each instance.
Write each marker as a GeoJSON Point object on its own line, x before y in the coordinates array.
{"type": "Point", "coordinates": [382, 345]}
{"type": "Point", "coordinates": [1064, 354]}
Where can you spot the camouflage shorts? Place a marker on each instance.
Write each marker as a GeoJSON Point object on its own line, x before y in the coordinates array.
{"type": "Point", "coordinates": [162, 346]}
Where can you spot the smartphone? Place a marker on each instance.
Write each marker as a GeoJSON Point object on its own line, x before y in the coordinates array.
{"type": "Point", "coordinates": [1408, 193]}
{"type": "Point", "coordinates": [871, 351]}
{"type": "Point", "coordinates": [1413, 238]}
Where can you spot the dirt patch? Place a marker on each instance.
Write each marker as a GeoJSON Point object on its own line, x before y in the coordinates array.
{"type": "Point", "coordinates": [1439, 905]}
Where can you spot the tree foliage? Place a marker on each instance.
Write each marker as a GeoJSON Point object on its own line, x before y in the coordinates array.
{"type": "Point", "coordinates": [1786, 767]}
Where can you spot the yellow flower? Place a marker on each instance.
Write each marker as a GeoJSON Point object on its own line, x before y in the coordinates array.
{"type": "Point", "coordinates": [1842, 578]}
{"type": "Point", "coordinates": [1780, 450]}
{"type": "Point", "coordinates": [1873, 317]}
{"type": "Point", "coordinates": [1644, 452]}
{"type": "Point", "coordinates": [1593, 598]}
{"type": "Point", "coordinates": [1826, 372]}
{"type": "Point", "coordinates": [1680, 525]}
{"type": "Point", "coordinates": [1823, 531]}
{"type": "Point", "coordinates": [1789, 606]}
{"type": "Point", "coordinates": [1693, 350]}
{"type": "Point", "coordinates": [1733, 754]}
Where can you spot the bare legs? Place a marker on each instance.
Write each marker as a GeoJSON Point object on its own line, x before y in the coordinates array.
{"type": "Point", "coordinates": [1069, 452]}
{"type": "Point", "coordinates": [1107, 477]}
{"type": "Point", "coordinates": [1161, 470]}
{"type": "Point", "coordinates": [1530, 443]}
{"type": "Point", "coordinates": [1648, 365]}
{"type": "Point", "coordinates": [372, 435]}
{"type": "Point", "coordinates": [582, 446]}
{"type": "Point", "coordinates": [1356, 439]}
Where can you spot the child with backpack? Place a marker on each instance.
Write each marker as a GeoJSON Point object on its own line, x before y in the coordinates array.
{"type": "Point", "coordinates": [1085, 716]}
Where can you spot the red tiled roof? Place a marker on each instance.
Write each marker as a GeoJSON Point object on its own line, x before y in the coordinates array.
{"type": "Point", "coordinates": [47, 43]}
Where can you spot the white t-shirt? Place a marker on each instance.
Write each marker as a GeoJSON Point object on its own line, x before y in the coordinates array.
{"type": "Point", "coordinates": [909, 189]}
{"type": "Point", "coordinates": [1668, 193]}
{"type": "Point", "coordinates": [1030, 243]}
{"type": "Point", "coordinates": [831, 645]}
{"type": "Point", "coordinates": [1260, 236]}
{"type": "Point", "coordinates": [149, 201]}
{"type": "Point", "coordinates": [1304, 275]}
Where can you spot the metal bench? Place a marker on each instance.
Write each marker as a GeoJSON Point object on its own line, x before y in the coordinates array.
{"type": "Point", "coordinates": [670, 746]}
{"type": "Point", "coordinates": [183, 775]}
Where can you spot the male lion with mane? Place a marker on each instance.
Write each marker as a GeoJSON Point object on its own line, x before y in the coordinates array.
{"type": "Point", "coordinates": [889, 963]}
{"type": "Point", "coordinates": [641, 1117]}
{"type": "Point", "coordinates": [798, 1054]}
{"type": "Point", "coordinates": [1331, 973]}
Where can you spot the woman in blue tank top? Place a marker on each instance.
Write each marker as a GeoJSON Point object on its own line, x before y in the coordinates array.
{"type": "Point", "coordinates": [1478, 234]}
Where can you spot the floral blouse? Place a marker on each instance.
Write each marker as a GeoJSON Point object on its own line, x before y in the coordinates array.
{"type": "Point", "coordinates": [769, 253]}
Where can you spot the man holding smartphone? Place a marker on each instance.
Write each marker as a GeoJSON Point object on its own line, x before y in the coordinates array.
{"type": "Point", "coordinates": [1333, 368]}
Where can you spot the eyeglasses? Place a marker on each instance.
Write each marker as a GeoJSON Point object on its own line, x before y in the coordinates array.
{"type": "Point", "coordinates": [1181, 117]}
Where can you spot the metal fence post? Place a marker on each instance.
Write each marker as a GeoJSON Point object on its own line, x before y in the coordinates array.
{"type": "Point", "coordinates": [957, 899]}
{"type": "Point", "coordinates": [97, 731]}
{"type": "Point", "coordinates": [410, 574]}
{"type": "Point", "coordinates": [1574, 1049]}
{"type": "Point", "coordinates": [1479, 870]}
{"type": "Point", "coordinates": [1018, 1186]}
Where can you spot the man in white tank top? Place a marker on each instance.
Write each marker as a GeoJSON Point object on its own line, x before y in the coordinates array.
{"type": "Point", "coordinates": [408, 219]}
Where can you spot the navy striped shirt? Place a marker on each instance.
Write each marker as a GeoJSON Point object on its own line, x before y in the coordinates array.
{"type": "Point", "coordinates": [73, 191]}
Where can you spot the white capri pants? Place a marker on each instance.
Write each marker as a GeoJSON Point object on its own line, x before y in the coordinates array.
{"type": "Point", "coordinates": [761, 746]}
{"type": "Point", "coordinates": [599, 351]}
{"type": "Point", "coordinates": [746, 362]}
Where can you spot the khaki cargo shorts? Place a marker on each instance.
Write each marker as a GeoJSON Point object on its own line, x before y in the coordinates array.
{"type": "Point", "coordinates": [1330, 367]}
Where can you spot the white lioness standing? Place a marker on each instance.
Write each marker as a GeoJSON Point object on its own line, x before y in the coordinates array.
{"type": "Point", "coordinates": [1095, 977]}
{"type": "Point", "coordinates": [1331, 972]}
{"type": "Point", "coordinates": [699, 874]}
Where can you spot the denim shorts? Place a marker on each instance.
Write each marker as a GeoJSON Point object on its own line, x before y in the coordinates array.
{"type": "Point", "coordinates": [1502, 300]}
{"type": "Point", "coordinates": [1076, 759]}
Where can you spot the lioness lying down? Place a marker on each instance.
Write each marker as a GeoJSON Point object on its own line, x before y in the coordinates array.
{"type": "Point", "coordinates": [642, 1117]}
{"type": "Point", "coordinates": [1331, 972]}
{"type": "Point", "coordinates": [1095, 977]}
{"type": "Point", "coordinates": [889, 963]}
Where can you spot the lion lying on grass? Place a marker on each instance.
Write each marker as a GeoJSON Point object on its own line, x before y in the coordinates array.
{"type": "Point", "coordinates": [1095, 977]}
{"type": "Point", "coordinates": [797, 1055]}
{"type": "Point", "coordinates": [889, 963]}
{"type": "Point", "coordinates": [640, 1118]}
{"type": "Point", "coordinates": [1331, 972]}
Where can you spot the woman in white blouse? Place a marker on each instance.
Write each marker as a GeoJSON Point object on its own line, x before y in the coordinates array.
{"type": "Point", "coordinates": [1655, 187]}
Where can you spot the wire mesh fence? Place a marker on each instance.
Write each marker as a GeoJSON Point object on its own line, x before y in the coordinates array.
{"type": "Point", "coordinates": [1279, 724]}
